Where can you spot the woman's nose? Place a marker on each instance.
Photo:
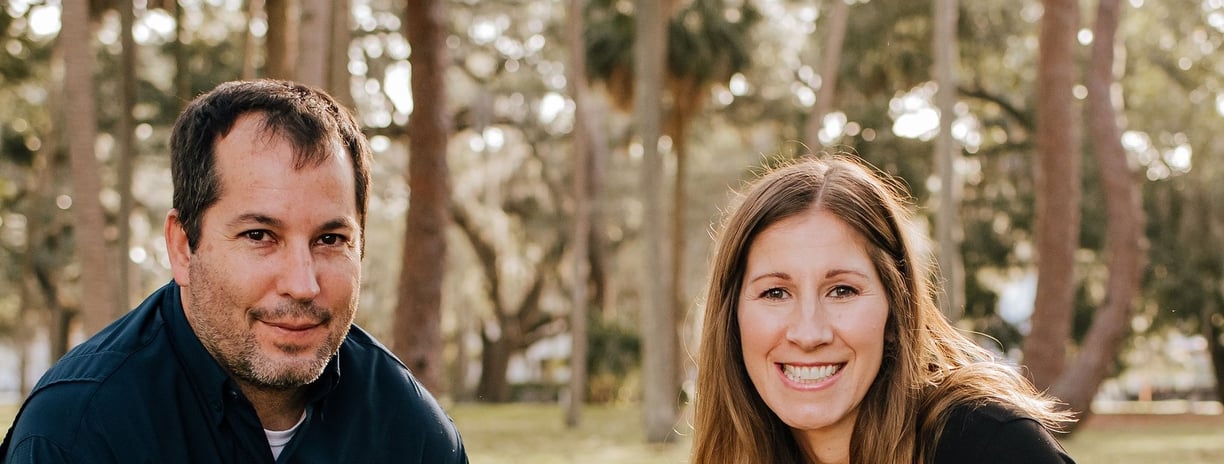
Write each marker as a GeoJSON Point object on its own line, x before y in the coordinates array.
{"type": "Point", "coordinates": [809, 325]}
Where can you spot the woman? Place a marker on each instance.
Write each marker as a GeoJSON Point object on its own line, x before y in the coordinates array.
{"type": "Point", "coordinates": [822, 342]}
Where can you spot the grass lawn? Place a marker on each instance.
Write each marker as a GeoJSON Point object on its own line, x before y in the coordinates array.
{"type": "Point", "coordinates": [533, 433]}
{"type": "Point", "coordinates": [519, 433]}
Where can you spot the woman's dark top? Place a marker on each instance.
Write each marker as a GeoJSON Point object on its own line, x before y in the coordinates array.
{"type": "Point", "coordinates": [991, 433]}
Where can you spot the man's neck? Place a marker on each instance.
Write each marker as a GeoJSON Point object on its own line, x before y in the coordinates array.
{"type": "Point", "coordinates": [278, 409]}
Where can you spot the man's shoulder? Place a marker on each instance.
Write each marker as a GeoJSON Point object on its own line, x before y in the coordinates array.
{"type": "Point", "coordinates": [374, 383]}
{"type": "Point", "coordinates": [367, 365]}
{"type": "Point", "coordinates": [102, 371]}
{"type": "Point", "coordinates": [361, 347]}
{"type": "Point", "coordinates": [106, 353]}
{"type": "Point", "coordinates": [106, 376]}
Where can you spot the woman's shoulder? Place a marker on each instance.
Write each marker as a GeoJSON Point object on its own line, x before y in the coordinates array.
{"type": "Point", "coordinates": [992, 432]}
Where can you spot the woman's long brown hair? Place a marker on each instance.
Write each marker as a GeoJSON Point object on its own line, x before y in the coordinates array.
{"type": "Point", "coordinates": [929, 366]}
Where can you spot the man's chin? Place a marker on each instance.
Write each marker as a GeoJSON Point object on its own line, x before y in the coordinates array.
{"type": "Point", "coordinates": [287, 373]}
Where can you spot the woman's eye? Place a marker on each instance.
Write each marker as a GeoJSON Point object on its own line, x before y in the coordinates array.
{"type": "Point", "coordinates": [842, 291]}
{"type": "Point", "coordinates": [774, 294]}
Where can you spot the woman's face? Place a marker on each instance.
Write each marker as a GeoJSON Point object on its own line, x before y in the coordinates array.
{"type": "Point", "coordinates": [811, 313]}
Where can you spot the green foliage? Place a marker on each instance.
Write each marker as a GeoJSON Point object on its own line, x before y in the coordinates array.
{"type": "Point", "coordinates": [13, 145]}
{"type": "Point", "coordinates": [608, 38]}
{"type": "Point", "coordinates": [614, 353]}
{"type": "Point", "coordinates": [707, 40]}
{"type": "Point", "coordinates": [705, 45]}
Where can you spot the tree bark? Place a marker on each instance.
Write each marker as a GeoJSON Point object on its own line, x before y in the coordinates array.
{"type": "Point", "coordinates": [518, 326]}
{"type": "Point", "coordinates": [494, 359]}
{"type": "Point", "coordinates": [337, 63]}
{"type": "Point", "coordinates": [97, 285]}
{"type": "Point", "coordinates": [1078, 385]}
{"type": "Point", "coordinates": [657, 317]}
{"type": "Point", "coordinates": [1058, 193]}
{"type": "Point", "coordinates": [418, 330]}
{"type": "Point", "coordinates": [830, 62]}
{"type": "Point", "coordinates": [952, 294]}
{"type": "Point", "coordinates": [281, 41]}
{"type": "Point", "coordinates": [125, 147]}
{"type": "Point", "coordinates": [314, 43]}
{"type": "Point", "coordinates": [40, 212]}
{"type": "Point", "coordinates": [687, 97]}
{"type": "Point", "coordinates": [1213, 330]}
{"type": "Point", "coordinates": [249, 41]}
{"type": "Point", "coordinates": [582, 220]}
{"type": "Point", "coordinates": [182, 63]}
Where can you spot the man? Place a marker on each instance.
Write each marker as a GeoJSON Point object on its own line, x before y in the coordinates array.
{"type": "Point", "coordinates": [250, 354]}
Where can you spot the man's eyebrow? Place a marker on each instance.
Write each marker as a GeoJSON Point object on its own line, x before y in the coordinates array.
{"type": "Point", "coordinates": [269, 221]}
{"type": "Point", "coordinates": [258, 219]}
{"type": "Point", "coordinates": [339, 223]}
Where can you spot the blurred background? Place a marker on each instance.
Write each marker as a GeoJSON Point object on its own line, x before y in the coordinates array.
{"type": "Point", "coordinates": [539, 261]}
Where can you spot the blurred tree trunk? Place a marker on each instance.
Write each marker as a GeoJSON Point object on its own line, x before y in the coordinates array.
{"type": "Point", "coordinates": [1201, 225]}
{"type": "Point", "coordinates": [338, 76]}
{"type": "Point", "coordinates": [52, 250]}
{"type": "Point", "coordinates": [97, 282]}
{"type": "Point", "coordinates": [1213, 331]}
{"type": "Point", "coordinates": [281, 40]}
{"type": "Point", "coordinates": [657, 317]}
{"type": "Point", "coordinates": [125, 146]}
{"type": "Point", "coordinates": [952, 294]}
{"type": "Point", "coordinates": [830, 62]}
{"type": "Point", "coordinates": [182, 60]}
{"type": "Point", "coordinates": [580, 144]}
{"type": "Point", "coordinates": [685, 100]}
{"type": "Point", "coordinates": [515, 327]}
{"type": "Point", "coordinates": [314, 43]}
{"type": "Point", "coordinates": [1057, 183]}
{"type": "Point", "coordinates": [493, 386]}
{"type": "Point", "coordinates": [1125, 235]}
{"type": "Point", "coordinates": [417, 337]}
{"type": "Point", "coordinates": [36, 261]}
{"type": "Point", "coordinates": [250, 48]}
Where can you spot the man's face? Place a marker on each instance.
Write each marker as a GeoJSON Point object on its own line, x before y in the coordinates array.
{"type": "Point", "coordinates": [272, 287]}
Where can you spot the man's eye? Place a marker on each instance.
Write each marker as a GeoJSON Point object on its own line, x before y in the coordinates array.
{"type": "Point", "coordinates": [331, 239]}
{"type": "Point", "coordinates": [256, 235]}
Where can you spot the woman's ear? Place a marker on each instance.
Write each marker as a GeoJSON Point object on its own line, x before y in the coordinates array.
{"type": "Point", "coordinates": [178, 248]}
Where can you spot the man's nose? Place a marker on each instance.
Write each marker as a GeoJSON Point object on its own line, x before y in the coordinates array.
{"type": "Point", "coordinates": [299, 280]}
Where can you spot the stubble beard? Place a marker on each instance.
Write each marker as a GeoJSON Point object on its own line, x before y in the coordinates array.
{"type": "Point", "coordinates": [233, 344]}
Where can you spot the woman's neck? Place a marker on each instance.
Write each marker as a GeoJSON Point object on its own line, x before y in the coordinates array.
{"type": "Point", "coordinates": [826, 446]}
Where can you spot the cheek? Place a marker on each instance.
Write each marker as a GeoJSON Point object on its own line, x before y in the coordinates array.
{"type": "Point", "coordinates": [757, 334]}
{"type": "Point", "coordinates": [869, 333]}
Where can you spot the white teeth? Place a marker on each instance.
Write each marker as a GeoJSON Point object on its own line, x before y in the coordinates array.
{"type": "Point", "coordinates": [810, 374]}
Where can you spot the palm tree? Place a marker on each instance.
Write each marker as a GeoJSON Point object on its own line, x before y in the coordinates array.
{"type": "Point", "coordinates": [704, 46]}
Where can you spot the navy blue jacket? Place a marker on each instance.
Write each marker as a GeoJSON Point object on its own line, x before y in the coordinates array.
{"type": "Point", "coordinates": [144, 390]}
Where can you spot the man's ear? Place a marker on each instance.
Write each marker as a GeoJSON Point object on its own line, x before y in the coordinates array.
{"type": "Point", "coordinates": [178, 248]}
